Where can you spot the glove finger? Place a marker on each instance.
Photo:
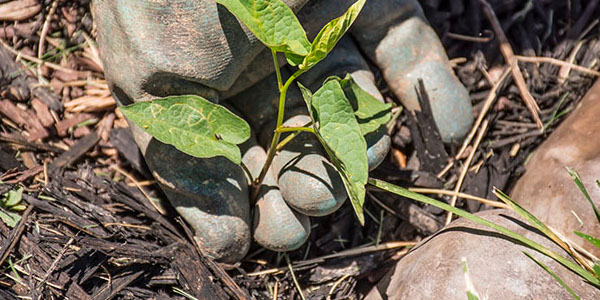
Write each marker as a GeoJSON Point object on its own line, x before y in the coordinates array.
{"type": "Point", "coordinates": [210, 194]}
{"type": "Point", "coordinates": [397, 37]}
{"type": "Point", "coordinates": [308, 181]}
{"type": "Point", "coordinates": [275, 225]}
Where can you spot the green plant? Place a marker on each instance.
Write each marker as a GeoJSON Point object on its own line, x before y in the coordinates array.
{"type": "Point", "coordinates": [341, 112]}
{"type": "Point", "coordinates": [10, 204]}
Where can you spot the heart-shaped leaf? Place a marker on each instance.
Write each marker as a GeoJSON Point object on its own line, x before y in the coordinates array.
{"type": "Point", "coordinates": [370, 112]}
{"type": "Point", "coordinates": [339, 132]}
{"type": "Point", "coordinates": [274, 24]}
{"type": "Point", "coordinates": [330, 34]}
{"type": "Point", "coordinates": [192, 124]}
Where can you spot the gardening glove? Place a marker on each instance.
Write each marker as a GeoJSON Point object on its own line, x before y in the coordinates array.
{"type": "Point", "coordinates": [307, 181]}
{"type": "Point", "coordinates": [154, 49]}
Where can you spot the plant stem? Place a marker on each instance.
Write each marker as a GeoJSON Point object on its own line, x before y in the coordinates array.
{"type": "Point", "coordinates": [248, 173]}
{"type": "Point", "coordinates": [290, 137]}
{"type": "Point", "coordinates": [294, 129]}
{"type": "Point", "coordinates": [277, 70]}
{"type": "Point", "coordinates": [276, 135]}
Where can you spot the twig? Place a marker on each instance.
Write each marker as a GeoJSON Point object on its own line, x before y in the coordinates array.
{"type": "Point", "coordinates": [122, 172]}
{"type": "Point", "coordinates": [45, 28]}
{"type": "Point", "coordinates": [11, 241]}
{"type": "Point", "coordinates": [46, 172]}
{"type": "Point", "coordinates": [276, 290]}
{"type": "Point", "coordinates": [489, 202]}
{"type": "Point", "coordinates": [93, 49]}
{"type": "Point", "coordinates": [484, 110]}
{"type": "Point", "coordinates": [335, 285]}
{"type": "Point", "coordinates": [564, 71]}
{"type": "Point", "coordinates": [474, 39]}
{"type": "Point", "coordinates": [538, 59]}
{"type": "Point", "coordinates": [349, 252]}
{"type": "Point", "coordinates": [289, 263]}
{"type": "Point", "coordinates": [510, 58]}
{"type": "Point", "coordinates": [465, 168]}
{"type": "Point", "coordinates": [141, 227]}
{"type": "Point", "coordinates": [513, 139]}
{"type": "Point", "coordinates": [39, 61]}
{"type": "Point", "coordinates": [380, 203]}
{"type": "Point", "coordinates": [58, 258]}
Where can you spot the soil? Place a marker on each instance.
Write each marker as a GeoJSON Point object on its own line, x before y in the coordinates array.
{"type": "Point", "coordinates": [93, 227]}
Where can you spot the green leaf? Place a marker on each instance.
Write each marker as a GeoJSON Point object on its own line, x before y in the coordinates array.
{"type": "Point", "coordinates": [330, 34]}
{"type": "Point", "coordinates": [340, 134]}
{"type": "Point", "coordinates": [274, 24]}
{"type": "Point", "coordinates": [370, 112]}
{"type": "Point", "coordinates": [558, 279]}
{"type": "Point", "coordinates": [192, 124]}
{"type": "Point", "coordinates": [400, 191]}
{"type": "Point", "coordinates": [13, 197]}
{"type": "Point", "coordinates": [10, 218]}
{"type": "Point", "coordinates": [307, 95]}
{"type": "Point", "coordinates": [594, 241]}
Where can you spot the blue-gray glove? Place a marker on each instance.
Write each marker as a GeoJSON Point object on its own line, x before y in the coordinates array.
{"type": "Point", "coordinates": [159, 48]}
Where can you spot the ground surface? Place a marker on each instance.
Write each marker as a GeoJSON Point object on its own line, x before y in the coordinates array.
{"type": "Point", "coordinates": [88, 230]}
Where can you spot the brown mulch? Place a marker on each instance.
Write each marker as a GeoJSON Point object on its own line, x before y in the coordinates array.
{"type": "Point", "coordinates": [95, 229]}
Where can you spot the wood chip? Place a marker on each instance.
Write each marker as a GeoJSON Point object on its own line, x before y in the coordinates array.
{"type": "Point", "coordinates": [19, 10]}
{"type": "Point", "coordinates": [75, 152]}
{"type": "Point", "coordinates": [63, 126]}
{"type": "Point", "coordinates": [43, 112]}
{"type": "Point", "coordinates": [26, 119]}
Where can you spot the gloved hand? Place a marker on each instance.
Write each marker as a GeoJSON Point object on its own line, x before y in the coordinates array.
{"type": "Point", "coordinates": [159, 48]}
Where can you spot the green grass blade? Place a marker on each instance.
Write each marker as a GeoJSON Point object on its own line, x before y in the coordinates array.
{"type": "Point", "coordinates": [558, 279]}
{"type": "Point", "coordinates": [594, 241]}
{"type": "Point", "coordinates": [575, 176]}
{"type": "Point", "coordinates": [531, 218]}
{"type": "Point", "coordinates": [459, 212]}
{"type": "Point", "coordinates": [596, 268]}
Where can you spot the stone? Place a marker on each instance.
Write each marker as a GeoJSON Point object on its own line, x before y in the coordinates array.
{"type": "Point", "coordinates": [547, 190]}
{"type": "Point", "coordinates": [497, 266]}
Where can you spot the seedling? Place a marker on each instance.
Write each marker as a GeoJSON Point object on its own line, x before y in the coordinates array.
{"type": "Point", "coordinates": [341, 112]}
{"type": "Point", "coordinates": [10, 204]}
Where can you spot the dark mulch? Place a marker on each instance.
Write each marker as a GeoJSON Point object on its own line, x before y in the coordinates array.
{"type": "Point", "coordinates": [92, 229]}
